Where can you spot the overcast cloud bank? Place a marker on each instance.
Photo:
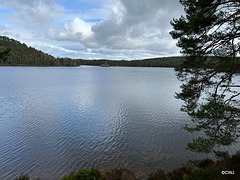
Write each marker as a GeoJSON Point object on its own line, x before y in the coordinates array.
{"type": "Point", "coordinates": [120, 29]}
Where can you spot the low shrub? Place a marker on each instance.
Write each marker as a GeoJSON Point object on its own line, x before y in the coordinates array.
{"type": "Point", "coordinates": [205, 163]}
{"type": "Point", "coordinates": [204, 174]}
{"type": "Point", "coordinates": [22, 177]}
{"type": "Point", "coordinates": [119, 174]}
{"type": "Point", "coordinates": [85, 174]}
{"type": "Point", "coordinates": [159, 175]}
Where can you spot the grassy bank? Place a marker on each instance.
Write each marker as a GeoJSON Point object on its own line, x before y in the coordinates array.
{"type": "Point", "coordinates": [227, 169]}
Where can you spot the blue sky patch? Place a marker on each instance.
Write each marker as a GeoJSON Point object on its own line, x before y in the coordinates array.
{"type": "Point", "coordinates": [6, 11]}
{"type": "Point", "coordinates": [78, 4]}
{"type": "Point", "coordinates": [93, 20]}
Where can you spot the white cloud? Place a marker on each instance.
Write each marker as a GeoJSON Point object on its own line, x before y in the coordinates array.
{"type": "Point", "coordinates": [130, 29]}
{"type": "Point", "coordinates": [135, 24]}
{"type": "Point", "coordinates": [32, 12]}
{"type": "Point", "coordinates": [77, 30]}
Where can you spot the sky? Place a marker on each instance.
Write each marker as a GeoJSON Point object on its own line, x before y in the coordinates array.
{"type": "Point", "coordinates": [93, 29]}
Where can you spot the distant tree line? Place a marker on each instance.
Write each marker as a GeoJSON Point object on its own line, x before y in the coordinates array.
{"type": "Point", "coordinates": [14, 53]}
{"type": "Point", "coordinates": [154, 62]}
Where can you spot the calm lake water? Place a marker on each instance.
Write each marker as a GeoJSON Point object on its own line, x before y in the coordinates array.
{"type": "Point", "coordinates": [54, 120]}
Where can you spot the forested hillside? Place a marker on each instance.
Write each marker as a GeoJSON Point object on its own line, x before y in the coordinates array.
{"type": "Point", "coordinates": [14, 53]}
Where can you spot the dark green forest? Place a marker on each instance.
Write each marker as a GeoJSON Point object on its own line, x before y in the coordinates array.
{"type": "Point", "coordinates": [154, 62]}
{"type": "Point", "coordinates": [15, 53]}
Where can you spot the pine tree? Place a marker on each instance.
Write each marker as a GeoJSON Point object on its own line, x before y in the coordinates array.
{"type": "Point", "coordinates": [4, 55]}
{"type": "Point", "coordinates": [209, 38]}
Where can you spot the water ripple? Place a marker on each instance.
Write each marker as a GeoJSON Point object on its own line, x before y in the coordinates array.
{"type": "Point", "coordinates": [57, 120]}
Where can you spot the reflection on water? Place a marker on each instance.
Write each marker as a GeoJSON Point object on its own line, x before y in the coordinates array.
{"type": "Point", "coordinates": [57, 120]}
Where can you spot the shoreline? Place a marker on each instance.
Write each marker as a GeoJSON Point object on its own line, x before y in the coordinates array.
{"type": "Point", "coordinates": [226, 168]}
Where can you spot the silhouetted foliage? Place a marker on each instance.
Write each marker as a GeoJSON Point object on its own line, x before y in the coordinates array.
{"type": "Point", "coordinates": [210, 28]}
{"type": "Point", "coordinates": [119, 174]}
{"type": "Point", "coordinates": [193, 170]}
{"type": "Point", "coordinates": [205, 169]}
{"type": "Point", "coordinates": [22, 177]}
{"type": "Point", "coordinates": [85, 174]}
{"type": "Point", "coordinates": [160, 174]}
